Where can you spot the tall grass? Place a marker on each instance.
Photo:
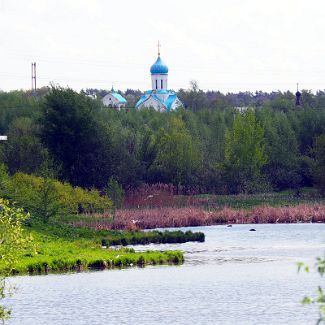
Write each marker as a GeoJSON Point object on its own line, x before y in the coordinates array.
{"type": "Point", "coordinates": [167, 195]}
{"type": "Point", "coordinates": [195, 216]}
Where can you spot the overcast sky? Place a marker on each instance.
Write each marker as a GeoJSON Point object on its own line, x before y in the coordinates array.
{"type": "Point", "coordinates": [225, 45]}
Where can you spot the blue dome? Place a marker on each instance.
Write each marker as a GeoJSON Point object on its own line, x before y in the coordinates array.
{"type": "Point", "coordinates": [159, 67]}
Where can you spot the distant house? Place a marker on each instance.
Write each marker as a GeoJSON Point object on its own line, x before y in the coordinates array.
{"type": "Point", "coordinates": [241, 108]}
{"type": "Point", "coordinates": [114, 99]}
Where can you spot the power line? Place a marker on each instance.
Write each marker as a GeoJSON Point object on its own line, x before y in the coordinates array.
{"type": "Point", "coordinates": [210, 66]}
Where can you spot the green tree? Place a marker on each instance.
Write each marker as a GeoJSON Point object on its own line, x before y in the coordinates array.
{"type": "Point", "coordinates": [283, 102]}
{"type": "Point", "coordinates": [319, 171]}
{"type": "Point", "coordinates": [177, 159]}
{"type": "Point", "coordinates": [115, 192]}
{"type": "Point", "coordinates": [282, 150]}
{"type": "Point", "coordinates": [46, 201]}
{"type": "Point", "coordinates": [16, 104]}
{"type": "Point", "coordinates": [245, 153]}
{"type": "Point", "coordinates": [23, 151]}
{"type": "Point", "coordinates": [311, 123]}
{"type": "Point", "coordinates": [308, 98]}
{"type": "Point", "coordinates": [13, 241]}
{"type": "Point", "coordinates": [193, 98]}
{"type": "Point", "coordinates": [71, 135]}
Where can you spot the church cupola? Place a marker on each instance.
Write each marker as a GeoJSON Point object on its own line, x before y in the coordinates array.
{"type": "Point", "coordinates": [159, 73]}
{"type": "Point", "coordinates": [159, 97]}
{"type": "Point", "coordinates": [159, 67]}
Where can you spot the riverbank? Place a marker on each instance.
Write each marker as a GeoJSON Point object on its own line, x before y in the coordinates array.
{"type": "Point", "coordinates": [109, 237]}
{"type": "Point", "coordinates": [218, 284]}
{"type": "Point", "coordinates": [52, 254]}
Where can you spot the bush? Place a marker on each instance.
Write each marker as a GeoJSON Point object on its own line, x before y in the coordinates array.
{"type": "Point", "coordinates": [44, 197]}
{"type": "Point", "coordinates": [13, 242]}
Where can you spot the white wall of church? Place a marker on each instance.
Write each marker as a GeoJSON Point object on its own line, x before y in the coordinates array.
{"type": "Point", "coordinates": [163, 97]}
{"type": "Point", "coordinates": [159, 81]}
{"type": "Point", "coordinates": [111, 101]}
{"type": "Point", "coordinates": [150, 102]}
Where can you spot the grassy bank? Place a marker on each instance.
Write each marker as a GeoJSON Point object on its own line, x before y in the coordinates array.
{"type": "Point", "coordinates": [52, 254]}
{"type": "Point", "coordinates": [249, 201]}
{"type": "Point", "coordinates": [115, 237]}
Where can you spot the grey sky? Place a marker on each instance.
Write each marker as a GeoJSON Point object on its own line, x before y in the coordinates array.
{"type": "Point", "coordinates": [224, 45]}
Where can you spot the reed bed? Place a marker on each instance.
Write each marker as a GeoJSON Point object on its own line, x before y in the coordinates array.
{"type": "Point", "coordinates": [194, 216]}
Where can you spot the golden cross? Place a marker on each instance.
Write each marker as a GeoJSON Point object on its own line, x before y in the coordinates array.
{"type": "Point", "coordinates": [159, 45]}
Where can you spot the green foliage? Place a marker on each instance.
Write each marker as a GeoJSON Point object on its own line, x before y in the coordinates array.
{"type": "Point", "coordinates": [176, 160]}
{"type": "Point", "coordinates": [273, 199]}
{"type": "Point", "coordinates": [282, 167]}
{"type": "Point", "coordinates": [319, 298]}
{"type": "Point", "coordinates": [193, 98]}
{"type": "Point", "coordinates": [55, 255]}
{"type": "Point", "coordinates": [15, 104]}
{"type": "Point", "coordinates": [45, 197]}
{"type": "Point", "coordinates": [245, 153]}
{"type": "Point", "coordinates": [90, 144]}
{"type": "Point", "coordinates": [71, 134]}
{"type": "Point", "coordinates": [115, 192]}
{"type": "Point", "coordinates": [319, 171]}
{"type": "Point", "coordinates": [23, 151]}
{"type": "Point", "coordinates": [155, 237]}
{"type": "Point", "coordinates": [4, 179]}
{"type": "Point", "coordinates": [13, 243]}
{"type": "Point", "coordinates": [46, 203]}
{"type": "Point", "coordinates": [115, 237]}
{"type": "Point", "coordinates": [283, 104]}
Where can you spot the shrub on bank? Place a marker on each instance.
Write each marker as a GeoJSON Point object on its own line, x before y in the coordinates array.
{"type": "Point", "coordinates": [33, 193]}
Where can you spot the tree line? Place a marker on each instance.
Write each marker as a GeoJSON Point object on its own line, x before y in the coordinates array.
{"type": "Point", "coordinates": [208, 147]}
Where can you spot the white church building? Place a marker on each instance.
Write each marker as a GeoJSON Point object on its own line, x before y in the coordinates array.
{"type": "Point", "coordinates": [160, 98]}
{"type": "Point", "coordinates": [114, 99]}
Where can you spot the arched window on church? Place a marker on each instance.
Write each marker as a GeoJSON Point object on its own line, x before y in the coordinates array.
{"type": "Point", "coordinates": [156, 84]}
{"type": "Point", "coordinates": [161, 84]}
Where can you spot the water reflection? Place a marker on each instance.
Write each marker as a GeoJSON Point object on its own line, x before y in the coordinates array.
{"type": "Point", "coordinates": [235, 277]}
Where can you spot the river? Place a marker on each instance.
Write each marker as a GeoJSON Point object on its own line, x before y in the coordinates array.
{"type": "Point", "coordinates": [235, 277]}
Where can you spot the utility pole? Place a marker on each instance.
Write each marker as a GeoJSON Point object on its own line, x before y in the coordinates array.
{"type": "Point", "coordinates": [34, 78]}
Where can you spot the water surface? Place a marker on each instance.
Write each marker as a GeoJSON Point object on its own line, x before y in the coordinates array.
{"type": "Point", "coordinates": [235, 277]}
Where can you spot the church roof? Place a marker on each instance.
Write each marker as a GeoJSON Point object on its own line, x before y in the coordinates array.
{"type": "Point", "coordinates": [159, 67]}
{"type": "Point", "coordinates": [153, 94]}
{"type": "Point", "coordinates": [170, 100]}
{"type": "Point", "coordinates": [142, 99]}
{"type": "Point", "coordinates": [119, 97]}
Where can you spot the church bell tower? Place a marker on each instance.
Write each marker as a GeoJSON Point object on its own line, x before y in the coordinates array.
{"type": "Point", "coordinates": [159, 73]}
